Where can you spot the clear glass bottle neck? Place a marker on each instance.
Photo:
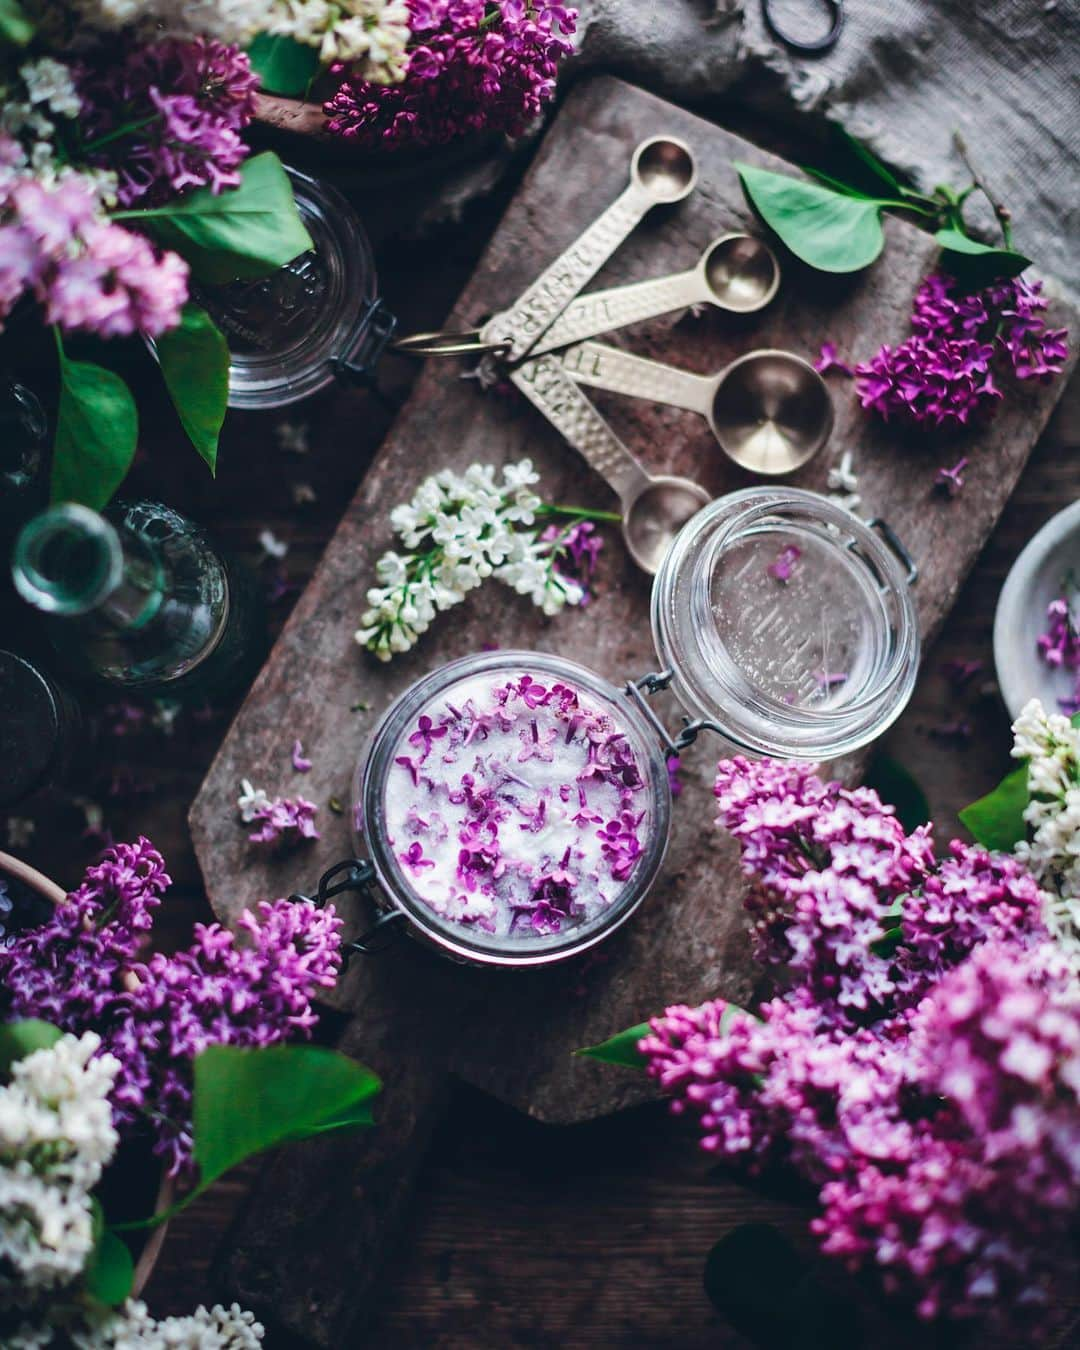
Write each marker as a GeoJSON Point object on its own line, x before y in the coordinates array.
{"type": "Point", "coordinates": [71, 561]}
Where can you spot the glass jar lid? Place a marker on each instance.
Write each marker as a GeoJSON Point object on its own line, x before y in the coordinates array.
{"type": "Point", "coordinates": [786, 622]}
{"type": "Point", "coordinates": [515, 806]}
{"type": "Point", "coordinates": [288, 332]}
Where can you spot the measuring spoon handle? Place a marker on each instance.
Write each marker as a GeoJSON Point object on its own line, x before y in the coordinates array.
{"type": "Point", "coordinates": [601, 311]}
{"type": "Point", "coordinates": [547, 386]}
{"type": "Point", "coordinates": [604, 367]}
{"type": "Point", "coordinates": [546, 298]}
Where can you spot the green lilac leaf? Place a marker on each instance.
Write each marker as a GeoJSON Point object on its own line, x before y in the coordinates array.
{"type": "Point", "coordinates": [831, 231]}
{"type": "Point", "coordinates": [620, 1048]}
{"type": "Point", "coordinates": [883, 175]}
{"type": "Point", "coordinates": [283, 65]}
{"type": "Point", "coordinates": [997, 820]}
{"type": "Point", "coordinates": [242, 233]}
{"type": "Point", "coordinates": [97, 427]}
{"type": "Point", "coordinates": [110, 1272]}
{"type": "Point", "coordinates": [976, 264]}
{"type": "Point", "coordinates": [895, 785]}
{"type": "Point", "coordinates": [845, 189]}
{"type": "Point", "coordinates": [15, 27]}
{"type": "Point", "coordinates": [194, 359]}
{"type": "Point", "coordinates": [22, 1038]}
{"type": "Point", "coordinates": [250, 1100]}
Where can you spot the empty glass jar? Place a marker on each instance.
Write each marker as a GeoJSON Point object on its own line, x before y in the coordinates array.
{"type": "Point", "coordinates": [515, 806]}
{"type": "Point", "coordinates": [316, 318]}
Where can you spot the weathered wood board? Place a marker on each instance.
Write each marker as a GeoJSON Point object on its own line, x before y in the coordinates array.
{"type": "Point", "coordinates": [307, 1253]}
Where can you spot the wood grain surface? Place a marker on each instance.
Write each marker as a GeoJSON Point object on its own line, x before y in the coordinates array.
{"type": "Point", "coordinates": [513, 1033]}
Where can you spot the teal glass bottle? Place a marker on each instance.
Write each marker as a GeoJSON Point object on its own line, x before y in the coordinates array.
{"type": "Point", "coordinates": [136, 598]}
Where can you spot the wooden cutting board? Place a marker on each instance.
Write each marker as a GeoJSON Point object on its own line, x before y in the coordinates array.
{"type": "Point", "coordinates": [308, 1251]}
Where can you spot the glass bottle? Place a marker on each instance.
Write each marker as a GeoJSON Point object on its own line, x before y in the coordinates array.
{"type": "Point", "coordinates": [137, 599]}
{"type": "Point", "coordinates": [23, 461]}
{"type": "Point", "coordinates": [40, 728]}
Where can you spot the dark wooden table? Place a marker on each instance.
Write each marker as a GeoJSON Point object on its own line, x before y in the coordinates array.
{"type": "Point", "coordinates": [523, 1235]}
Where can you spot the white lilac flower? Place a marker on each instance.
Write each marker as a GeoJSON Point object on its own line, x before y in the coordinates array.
{"type": "Point", "coordinates": [20, 830]}
{"type": "Point", "coordinates": [1051, 746]}
{"type": "Point", "coordinates": [251, 802]}
{"type": "Point", "coordinates": [371, 35]}
{"type": "Point", "coordinates": [271, 545]}
{"type": "Point", "coordinates": [843, 483]}
{"type": "Point", "coordinates": [56, 1135]}
{"type": "Point", "coordinates": [226, 20]}
{"type": "Point", "coordinates": [50, 82]}
{"type": "Point", "coordinates": [292, 437]}
{"type": "Point", "coordinates": [458, 530]}
{"type": "Point", "coordinates": [132, 1328]}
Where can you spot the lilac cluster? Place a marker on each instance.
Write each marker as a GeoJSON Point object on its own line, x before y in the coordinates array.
{"type": "Point", "coordinates": [832, 865]}
{"type": "Point", "coordinates": [976, 1212]}
{"type": "Point", "coordinates": [169, 116]}
{"type": "Point", "coordinates": [576, 549]}
{"type": "Point", "coordinates": [87, 272]}
{"type": "Point", "coordinates": [1059, 645]}
{"type": "Point", "coordinates": [922, 1070]}
{"type": "Point", "coordinates": [283, 819]}
{"type": "Point", "coordinates": [81, 971]}
{"type": "Point", "coordinates": [944, 374]}
{"type": "Point", "coordinates": [474, 65]}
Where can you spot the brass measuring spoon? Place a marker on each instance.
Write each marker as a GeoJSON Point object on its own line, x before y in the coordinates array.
{"type": "Point", "coordinates": [737, 273]}
{"type": "Point", "coordinates": [654, 506]}
{"type": "Point", "coordinates": [662, 170]}
{"type": "Point", "coordinates": [769, 410]}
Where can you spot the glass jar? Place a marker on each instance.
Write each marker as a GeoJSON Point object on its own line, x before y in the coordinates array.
{"type": "Point", "coordinates": [783, 623]}
{"type": "Point", "coordinates": [292, 333]}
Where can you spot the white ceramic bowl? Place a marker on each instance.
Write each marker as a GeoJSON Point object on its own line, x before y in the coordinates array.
{"type": "Point", "coordinates": [1033, 581]}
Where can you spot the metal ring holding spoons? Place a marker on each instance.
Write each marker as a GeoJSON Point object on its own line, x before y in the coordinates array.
{"type": "Point", "coordinates": [655, 507]}
{"type": "Point", "coordinates": [738, 273]}
{"type": "Point", "coordinates": [448, 342]}
{"type": "Point", "coordinates": [770, 411]}
{"type": "Point", "coordinates": [815, 46]}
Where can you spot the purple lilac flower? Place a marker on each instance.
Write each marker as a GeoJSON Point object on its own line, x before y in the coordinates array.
{"type": "Point", "coordinates": [87, 272]}
{"type": "Point", "coordinates": [978, 1213]}
{"type": "Point", "coordinates": [284, 820]}
{"type": "Point", "coordinates": [831, 863]}
{"type": "Point", "coordinates": [828, 360]}
{"type": "Point", "coordinates": [81, 971]}
{"type": "Point", "coordinates": [943, 375]}
{"type": "Point", "coordinates": [300, 761]}
{"type": "Point", "coordinates": [951, 480]}
{"type": "Point", "coordinates": [577, 551]}
{"type": "Point", "coordinates": [1059, 645]}
{"type": "Point", "coordinates": [937, 1111]}
{"type": "Point", "coordinates": [961, 673]}
{"type": "Point", "coordinates": [189, 100]}
{"type": "Point", "coordinates": [785, 562]}
{"type": "Point", "coordinates": [674, 782]}
{"type": "Point", "coordinates": [474, 65]}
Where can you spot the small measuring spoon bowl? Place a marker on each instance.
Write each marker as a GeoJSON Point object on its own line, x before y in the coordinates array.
{"type": "Point", "coordinates": [662, 171]}
{"type": "Point", "coordinates": [654, 507]}
{"type": "Point", "coordinates": [737, 273]}
{"type": "Point", "coordinates": [770, 411]}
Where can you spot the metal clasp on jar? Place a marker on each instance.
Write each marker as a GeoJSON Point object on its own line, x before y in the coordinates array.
{"type": "Point", "coordinates": [640, 690]}
{"type": "Point", "coordinates": [358, 875]}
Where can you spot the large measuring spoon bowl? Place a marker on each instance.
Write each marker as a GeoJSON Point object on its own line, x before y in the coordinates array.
{"type": "Point", "coordinates": [770, 411]}
{"type": "Point", "coordinates": [654, 507]}
{"type": "Point", "coordinates": [737, 273]}
{"type": "Point", "coordinates": [662, 171]}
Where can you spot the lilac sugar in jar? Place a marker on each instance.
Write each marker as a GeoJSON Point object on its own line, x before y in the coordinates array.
{"type": "Point", "coordinates": [514, 807]}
